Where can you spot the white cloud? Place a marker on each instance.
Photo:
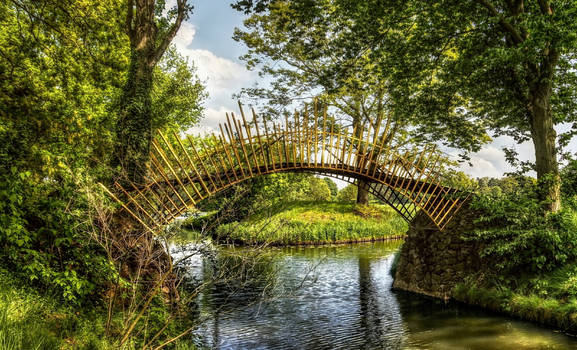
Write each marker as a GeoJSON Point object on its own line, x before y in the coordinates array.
{"type": "Point", "coordinates": [223, 77]}
{"type": "Point", "coordinates": [490, 160]}
{"type": "Point", "coordinates": [212, 117]}
{"type": "Point", "coordinates": [185, 36]}
{"type": "Point", "coordinates": [485, 163]}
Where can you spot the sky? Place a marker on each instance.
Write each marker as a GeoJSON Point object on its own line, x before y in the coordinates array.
{"type": "Point", "coordinates": [206, 38]}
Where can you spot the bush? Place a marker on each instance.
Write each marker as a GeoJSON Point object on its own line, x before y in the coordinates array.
{"type": "Point", "coordinates": [518, 238]}
{"type": "Point", "coordinates": [347, 194]}
{"type": "Point", "coordinates": [44, 237]}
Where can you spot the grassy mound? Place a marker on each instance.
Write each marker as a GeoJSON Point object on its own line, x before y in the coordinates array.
{"type": "Point", "coordinates": [315, 223]}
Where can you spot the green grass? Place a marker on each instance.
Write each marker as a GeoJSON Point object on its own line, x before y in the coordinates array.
{"type": "Point", "coordinates": [30, 320]}
{"type": "Point", "coordinates": [315, 223]}
{"type": "Point", "coordinates": [547, 298]}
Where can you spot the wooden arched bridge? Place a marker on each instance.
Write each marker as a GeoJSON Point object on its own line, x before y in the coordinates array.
{"type": "Point", "coordinates": [184, 171]}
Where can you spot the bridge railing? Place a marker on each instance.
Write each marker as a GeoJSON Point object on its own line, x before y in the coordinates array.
{"type": "Point", "coordinates": [184, 170]}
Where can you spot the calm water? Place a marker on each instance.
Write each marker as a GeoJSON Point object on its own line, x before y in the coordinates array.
{"type": "Point", "coordinates": [340, 297]}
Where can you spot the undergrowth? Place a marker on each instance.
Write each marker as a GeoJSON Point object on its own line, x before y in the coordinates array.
{"type": "Point", "coordinates": [29, 320]}
{"type": "Point", "coordinates": [530, 259]}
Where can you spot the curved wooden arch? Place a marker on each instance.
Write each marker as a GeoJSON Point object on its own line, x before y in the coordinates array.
{"type": "Point", "coordinates": [184, 171]}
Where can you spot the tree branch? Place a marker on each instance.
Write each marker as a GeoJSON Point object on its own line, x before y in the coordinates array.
{"type": "Point", "coordinates": [181, 15]}
{"type": "Point", "coordinates": [508, 27]}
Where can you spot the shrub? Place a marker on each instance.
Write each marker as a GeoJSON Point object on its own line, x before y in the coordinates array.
{"type": "Point", "coordinates": [44, 236]}
{"type": "Point", "coordinates": [518, 238]}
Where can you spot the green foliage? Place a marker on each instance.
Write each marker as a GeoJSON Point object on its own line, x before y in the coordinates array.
{"type": "Point", "coordinates": [54, 130]}
{"type": "Point", "coordinates": [62, 69]}
{"type": "Point", "coordinates": [21, 325]}
{"type": "Point", "coordinates": [487, 66]}
{"type": "Point", "coordinates": [518, 238]}
{"type": "Point", "coordinates": [508, 185]}
{"type": "Point", "coordinates": [305, 49]}
{"type": "Point", "coordinates": [317, 190]}
{"type": "Point", "coordinates": [458, 179]}
{"type": "Point", "coordinates": [177, 93]}
{"type": "Point", "coordinates": [41, 240]}
{"type": "Point", "coordinates": [30, 320]}
{"type": "Point", "coordinates": [315, 222]}
{"type": "Point", "coordinates": [332, 187]}
{"type": "Point", "coordinates": [347, 194]}
{"type": "Point", "coordinates": [261, 192]}
{"type": "Point", "coordinates": [569, 180]}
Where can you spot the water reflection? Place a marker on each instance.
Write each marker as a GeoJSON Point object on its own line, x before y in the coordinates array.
{"type": "Point", "coordinates": [339, 297]}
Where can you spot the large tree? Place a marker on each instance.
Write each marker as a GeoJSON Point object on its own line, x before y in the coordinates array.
{"type": "Point", "coordinates": [150, 32]}
{"type": "Point", "coordinates": [465, 67]}
{"type": "Point", "coordinates": [508, 64]}
{"type": "Point", "coordinates": [303, 47]}
{"type": "Point", "coordinates": [62, 66]}
{"type": "Point", "coordinates": [344, 53]}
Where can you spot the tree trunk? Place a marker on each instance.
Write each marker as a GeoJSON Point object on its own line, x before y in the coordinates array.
{"type": "Point", "coordinates": [544, 139]}
{"type": "Point", "coordinates": [362, 188]}
{"type": "Point", "coordinates": [134, 127]}
{"type": "Point", "coordinates": [142, 257]}
{"type": "Point", "coordinates": [362, 192]}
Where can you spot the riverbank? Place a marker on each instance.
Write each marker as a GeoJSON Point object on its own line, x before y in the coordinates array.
{"type": "Point", "coordinates": [549, 300]}
{"type": "Point", "coordinates": [498, 255]}
{"type": "Point", "coordinates": [313, 223]}
{"type": "Point", "coordinates": [29, 320]}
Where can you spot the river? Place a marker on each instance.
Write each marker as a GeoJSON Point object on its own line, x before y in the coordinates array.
{"type": "Point", "coordinates": [340, 297]}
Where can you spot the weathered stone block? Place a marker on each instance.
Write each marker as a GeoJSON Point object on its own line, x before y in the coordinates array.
{"type": "Point", "coordinates": [431, 261]}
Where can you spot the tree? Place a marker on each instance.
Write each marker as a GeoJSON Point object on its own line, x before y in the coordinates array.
{"type": "Point", "coordinates": [305, 47]}
{"type": "Point", "coordinates": [332, 187]}
{"type": "Point", "coordinates": [508, 64]}
{"type": "Point", "coordinates": [150, 35]}
{"type": "Point", "coordinates": [347, 194]}
{"type": "Point", "coordinates": [318, 190]}
{"type": "Point", "coordinates": [461, 68]}
{"type": "Point", "coordinates": [62, 64]}
{"type": "Point", "coordinates": [569, 175]}
{"type": "Point", "coordinates": [267, 191]}
{"type": "Point", "coordinates": [177, 93]}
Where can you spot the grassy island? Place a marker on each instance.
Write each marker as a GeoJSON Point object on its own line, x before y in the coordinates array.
{"type": "Point", "coordinates": [315, 222]}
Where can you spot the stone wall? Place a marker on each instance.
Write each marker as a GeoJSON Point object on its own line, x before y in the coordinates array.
{"type": "Point", "coordinates": [431, 261]}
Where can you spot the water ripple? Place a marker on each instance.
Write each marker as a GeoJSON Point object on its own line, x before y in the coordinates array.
{"type": "Point", "coordinates": [347, 303]}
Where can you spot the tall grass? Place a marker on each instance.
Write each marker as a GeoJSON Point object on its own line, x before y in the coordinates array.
{"type": "Point", "coordinates": [29, 320]}
{"type": "Point", "coordinates": [315, 222]}
{"type": "Point", "coordinates": [21, 319]}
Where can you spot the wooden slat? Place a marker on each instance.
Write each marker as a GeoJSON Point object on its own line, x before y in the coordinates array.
{"type": "Point", "coordinates": [408, 181]}
{"type": "Point", "coordinates": [262, 152]}
{"type": "Point", "coordinates": [249, 136]}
